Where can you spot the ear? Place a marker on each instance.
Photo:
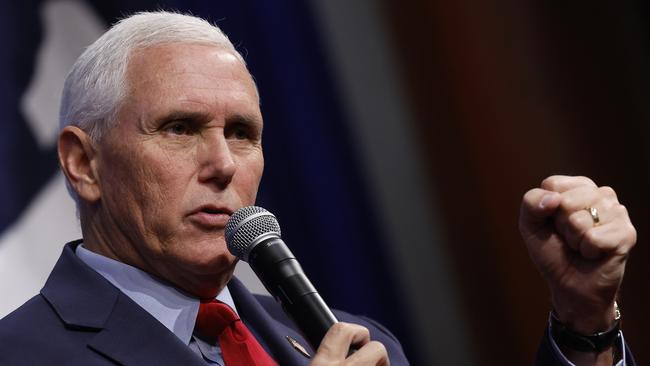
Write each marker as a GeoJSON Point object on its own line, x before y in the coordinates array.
{"type": "Point", "coordinates": [77, 159]}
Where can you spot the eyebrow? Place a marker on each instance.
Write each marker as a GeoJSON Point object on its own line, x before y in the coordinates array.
{"type": "Point", "coordinates": [180, 114]}
{"type": "Point", "coordinates": [204, 116]}
{"type": "Point", "coordinates": [247, 119]}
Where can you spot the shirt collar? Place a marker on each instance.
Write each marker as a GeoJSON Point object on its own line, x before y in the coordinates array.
{"type": "Point", "coordinates": [175, 309]}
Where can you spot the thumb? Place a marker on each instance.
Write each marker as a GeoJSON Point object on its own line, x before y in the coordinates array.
{"type": "Point", "coordinates": [536, 207]}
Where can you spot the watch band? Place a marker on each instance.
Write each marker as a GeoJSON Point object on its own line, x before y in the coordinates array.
{"type": "Point", "coordinates": [597, 342]}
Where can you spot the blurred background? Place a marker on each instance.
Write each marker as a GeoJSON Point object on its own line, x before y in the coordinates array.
{"type": "Point", "coordinates": [400, 137]}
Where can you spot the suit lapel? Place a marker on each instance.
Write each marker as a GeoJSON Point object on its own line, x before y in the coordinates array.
{"type": "Point", "coordinates": [126, 333]}
{"type": "Point", "coordinates": [133, 337]}
{"type": "Point", "coordinates": [271, 332]}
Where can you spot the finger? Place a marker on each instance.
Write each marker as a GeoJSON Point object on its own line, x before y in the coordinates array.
{"type": "Point", "coordinates": [373, 353]}
{"type": "Point", "coordinates": [615, 238]}
{"type": "Point", "coordinates": [572, 227]}
{"type": "Point", "coordinates": [619, 212]}
{"type": "Point", "coordinates": [337, 341]}
{"type": "Point", "coordinates": [582, 197]}
{"type": "Point", "coordinates": [562, 183]}
{"type": "Point", "coordinates": [574, 218]}
{"type": "Point", "coordinates": [536, 206]}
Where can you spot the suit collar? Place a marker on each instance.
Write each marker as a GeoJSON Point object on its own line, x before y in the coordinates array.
{"type": "Point", "coordinates": [174, 308]}
{"type": "Point", "coordinates": [80, 296]}
{"type": "Point", "coordinates": [126, 333]}
{"type": "Point", "coordinates": [132, 337]}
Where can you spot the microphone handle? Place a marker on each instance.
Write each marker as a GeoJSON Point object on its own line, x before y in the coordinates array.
{"type": "Point", "coordinates": [281, 274]}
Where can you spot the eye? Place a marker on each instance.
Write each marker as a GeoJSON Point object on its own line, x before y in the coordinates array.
{"type": "Point", "coordinates": [241, 133]}
{"type": "Point", "coordinates": [178, 128]}
{"type": "Point", "coordinates": [238, 131]}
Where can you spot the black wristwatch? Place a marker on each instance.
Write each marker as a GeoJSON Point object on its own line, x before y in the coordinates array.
{"type": "Point", "coordinates": [597, 342]}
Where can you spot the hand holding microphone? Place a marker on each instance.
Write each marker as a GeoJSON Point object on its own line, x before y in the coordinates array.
{"type": "Point", "coordinates": [253, 235]}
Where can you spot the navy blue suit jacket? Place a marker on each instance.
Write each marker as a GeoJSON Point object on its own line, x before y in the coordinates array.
{"type": "Point", "coordinates": [79, 318]}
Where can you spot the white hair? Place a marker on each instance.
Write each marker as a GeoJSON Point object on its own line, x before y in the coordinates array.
{"type": "Point", "coordinates": [96, 84]}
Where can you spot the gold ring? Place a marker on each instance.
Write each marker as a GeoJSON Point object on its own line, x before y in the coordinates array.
{"type": "Point", "coordinates": [593, 211]}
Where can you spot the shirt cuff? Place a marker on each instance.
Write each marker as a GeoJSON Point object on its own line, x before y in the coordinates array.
{"type": "Point", "coordinates": [565, 361]}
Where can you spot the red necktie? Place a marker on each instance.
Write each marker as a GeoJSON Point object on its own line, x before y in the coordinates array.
{"type": "Point", "coordinates": [216, 322]}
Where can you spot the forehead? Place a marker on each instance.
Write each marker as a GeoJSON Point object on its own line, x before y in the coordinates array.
{"type": "Point", "coordinates": [177, 66]}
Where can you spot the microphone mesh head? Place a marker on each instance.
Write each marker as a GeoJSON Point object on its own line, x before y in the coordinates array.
{"type": "Point", "coordinates": [245, 226]}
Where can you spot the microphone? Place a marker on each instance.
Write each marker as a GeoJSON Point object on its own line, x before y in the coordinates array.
{"type": "Point", "coordinates": [253, 235]}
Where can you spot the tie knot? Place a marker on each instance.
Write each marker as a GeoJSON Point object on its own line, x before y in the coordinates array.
{"type": "Point", "coordinates": [213, 318]}
{"type": "Point", "coordinates": [217, 323]}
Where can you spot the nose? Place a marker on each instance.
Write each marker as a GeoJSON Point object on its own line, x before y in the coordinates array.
{"type": "Point", "coordinates": [216, 160]}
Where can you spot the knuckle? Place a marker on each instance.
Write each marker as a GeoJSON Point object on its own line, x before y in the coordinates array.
{"type": "Point", "coordinates": [620, 210]}
{"type": "Point", "coordinates": [607, 191]}
{"type": "Point", "coordinates": [340, 328]}
{"type": "Point", "coordinates": [349, 329]}
{"type": "Point", "coordinates": [364, 331]}
{"type": "Point", "coordinates": [631, 233]}
{"type": "Point", "coordinates": [585, 180]}
{"type": "Point", "coordinates": [550, 183]}
{"type": "Point", "coordinates": [378, 347]}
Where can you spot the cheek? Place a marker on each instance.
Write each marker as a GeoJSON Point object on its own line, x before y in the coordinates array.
{"type": "Point", "coordinates": [159, 202]}
{"type": "Point", "coordinates": [127, 195]}
{"type": "Point", "coordinates": [250, 177]}
{"type": "Point", "coordinates": [163, 186]}
{"type": "Point", "coordinates": [141, 185]}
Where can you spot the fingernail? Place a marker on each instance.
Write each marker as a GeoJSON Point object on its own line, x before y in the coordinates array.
{"type": "Point", "coordinates": [545, 200]}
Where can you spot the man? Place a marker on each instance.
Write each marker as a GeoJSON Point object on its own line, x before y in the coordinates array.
{"type": "Point", "coordinates": [160, 144]}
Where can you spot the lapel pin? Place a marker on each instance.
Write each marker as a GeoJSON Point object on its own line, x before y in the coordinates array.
{"type": "Point", "coordinates": [298, 347]}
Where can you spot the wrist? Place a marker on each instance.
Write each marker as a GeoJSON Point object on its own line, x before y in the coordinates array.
{"type": "Point", "coordinates": [583, 320]}
{"type": "Point", "coordinates": [591, 341]}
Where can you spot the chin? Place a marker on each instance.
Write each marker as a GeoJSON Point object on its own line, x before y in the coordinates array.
{"type": "Point", "coordinates": [205, 248]}
{"type": "Point", "coordinates": [206, 275]}
{"type": "Point", "coordinates": [208, 262]}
